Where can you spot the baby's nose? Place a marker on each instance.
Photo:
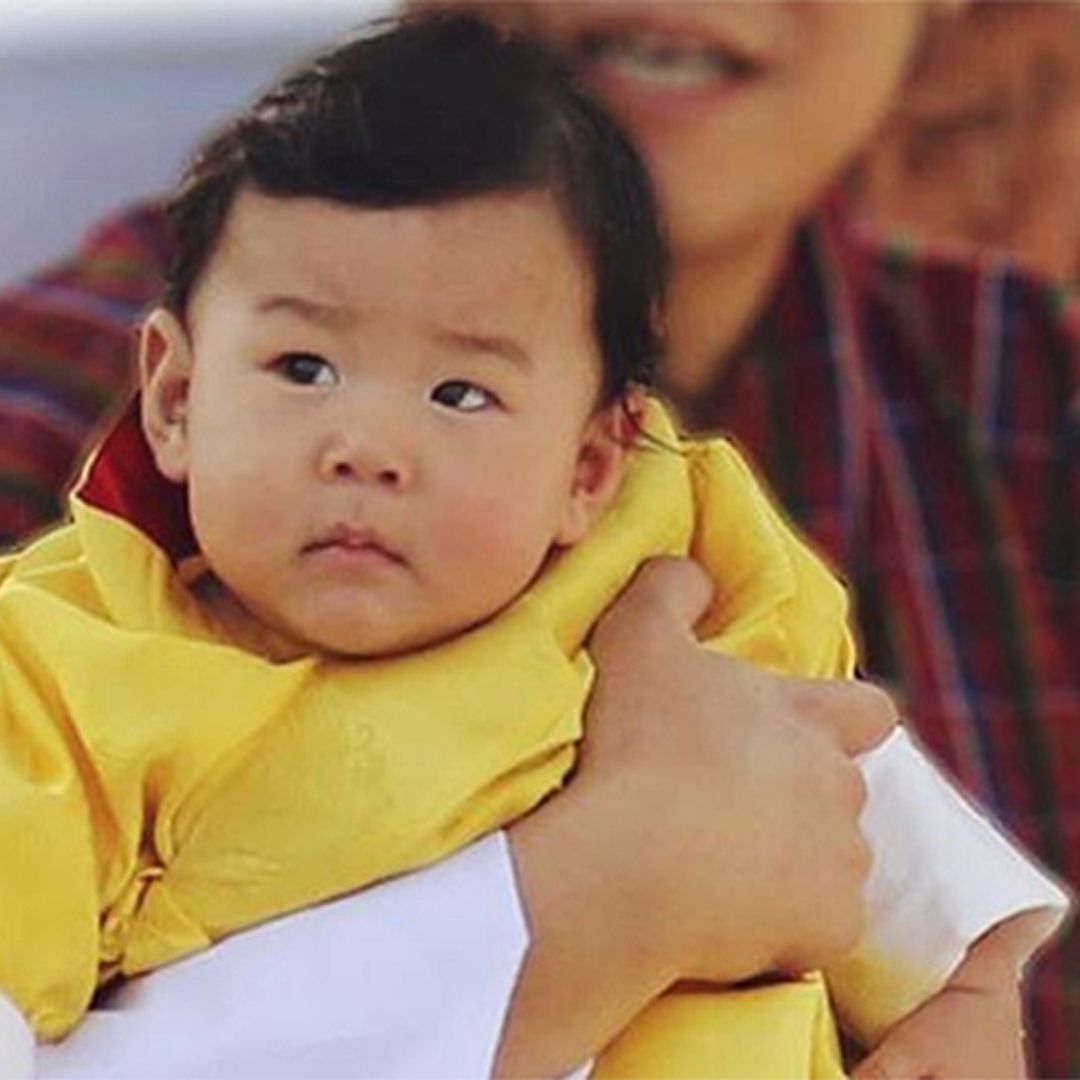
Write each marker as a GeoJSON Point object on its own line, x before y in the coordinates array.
{"type": "Point", "coordinates": [365, 457]}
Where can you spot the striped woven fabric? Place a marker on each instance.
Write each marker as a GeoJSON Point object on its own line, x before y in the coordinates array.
{"type": "Point", "coordinates": [66, 351]}
{"type": "Point", "coordinates": [918, 416]}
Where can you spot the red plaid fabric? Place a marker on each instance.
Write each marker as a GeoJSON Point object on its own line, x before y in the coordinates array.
{"type": "Point", "coordinates": [66, 339]}
{"type": "Point", "coordinates": [919, 417]}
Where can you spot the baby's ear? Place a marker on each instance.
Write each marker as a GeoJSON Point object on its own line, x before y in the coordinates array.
{"type": "Point", "coordinates": [165, 365]}
{"type": "Point", "coordinates": [605, 447]}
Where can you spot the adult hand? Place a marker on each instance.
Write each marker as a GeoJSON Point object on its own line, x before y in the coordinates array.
{"type": "Point", "coordinates": [711, 830]}
{"type": "Point", "coordinates": [973, 1028]}
{"type": "Point", "coordinates": [739, 784]}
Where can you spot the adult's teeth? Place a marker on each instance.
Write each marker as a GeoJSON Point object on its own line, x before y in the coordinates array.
{"type": "Point", "coordinates": [661, 59]}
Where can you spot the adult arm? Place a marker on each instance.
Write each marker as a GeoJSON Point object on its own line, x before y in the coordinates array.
{"type": "Point", "coordinates": [647, 869]}
{"type": "Point", "coordinates": [696, 893]}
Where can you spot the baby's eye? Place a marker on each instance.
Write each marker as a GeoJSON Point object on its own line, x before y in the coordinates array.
{"type": "Point", "coordinates": [463, 396]}
{"type": "Point", "coordinates": [306, 369]}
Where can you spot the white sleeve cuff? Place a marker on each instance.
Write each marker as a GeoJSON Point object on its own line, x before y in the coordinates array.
{"type": "Point", "coordinates": [942, 876]}
{"type": "Point", "coordinates": [410, 978]}
{"type": "Point", "coordinates": [16, 1043]}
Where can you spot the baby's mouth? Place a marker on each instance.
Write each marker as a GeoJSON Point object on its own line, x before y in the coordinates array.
{"type": "Point", "coordinates": [663, 61]}
{"type": "Point", "coordinates": [353, 544]}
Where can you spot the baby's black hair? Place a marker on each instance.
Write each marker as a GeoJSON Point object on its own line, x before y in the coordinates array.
{"type": "Point", "coordinates": [427, 109]}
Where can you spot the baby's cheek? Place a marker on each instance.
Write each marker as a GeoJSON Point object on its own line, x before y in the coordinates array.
{"type": "Point", "coordinates": [231, 504]}
{"type": "Point", "coordinates": [495, 540]}
{"type": "Point", "coordinates": [236, 512]}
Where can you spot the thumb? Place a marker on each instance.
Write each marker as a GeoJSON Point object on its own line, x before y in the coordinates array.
{"type": "Point", "coordinates": [675, 590]}
{"type": "Point", "coordinates": [680, 586]}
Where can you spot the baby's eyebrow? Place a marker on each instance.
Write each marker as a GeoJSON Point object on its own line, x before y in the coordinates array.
{"type": "Point", "coordinates": [505, 348]}
{"type": "Point", "coordinates": [313, 310]}
{"type": "Point", "coordinates": [497, 345]}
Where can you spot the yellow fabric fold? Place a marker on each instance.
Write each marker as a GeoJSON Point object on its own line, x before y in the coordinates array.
{"type": "Point", "coordinates": [161, 787]}
{"type": "Point", "coordinates": [774, 1032]}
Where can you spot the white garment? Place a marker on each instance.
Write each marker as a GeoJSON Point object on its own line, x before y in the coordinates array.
{"type": "Point", "coordinates": [412, 978]}
{"type": "Point", "coordinates": [942, 876]}
{"type": "Point", "coordinates": [16, 1043]}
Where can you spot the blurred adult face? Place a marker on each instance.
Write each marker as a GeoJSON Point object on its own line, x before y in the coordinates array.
{"type": "Point", "coordinates": [744, 111]}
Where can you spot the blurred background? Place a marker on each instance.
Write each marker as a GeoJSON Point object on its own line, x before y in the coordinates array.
{"type": "Point", "coordinates": [983, 149]}
{"type": "Point", "coordinates": [101, 100]}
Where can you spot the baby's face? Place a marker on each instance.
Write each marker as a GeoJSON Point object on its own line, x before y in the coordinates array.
{"type": "Point", "coordinates": [386, 419]}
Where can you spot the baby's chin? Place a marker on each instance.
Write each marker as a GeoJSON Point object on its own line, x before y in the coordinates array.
{"type": "Point", "coordinates": [347, 627]}
{"type": "Point", "coordinates": [361, 639]}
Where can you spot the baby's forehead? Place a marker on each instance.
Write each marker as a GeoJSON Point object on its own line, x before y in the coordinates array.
{"type": "Point", "coordinates": [500, 266]}
{"type": "Point", "coordinates": [315, 228]}
{"type": "Point", "coordinates": [258, 224]}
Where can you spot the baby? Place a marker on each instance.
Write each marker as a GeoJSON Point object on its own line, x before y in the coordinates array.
{"type": "Point", "coordinates": [319, 617]}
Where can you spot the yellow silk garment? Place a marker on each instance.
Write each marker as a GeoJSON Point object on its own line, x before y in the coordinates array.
{"type": "Point", "coordinates": [161, 787]}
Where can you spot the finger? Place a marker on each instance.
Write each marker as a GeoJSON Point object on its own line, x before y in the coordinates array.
{"type": "Point", "coordinates": [664, 586]}
{"type": "Point", "coordinates": [679, 584]}
{"type": "Point", "coordinates": [859, 715]}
